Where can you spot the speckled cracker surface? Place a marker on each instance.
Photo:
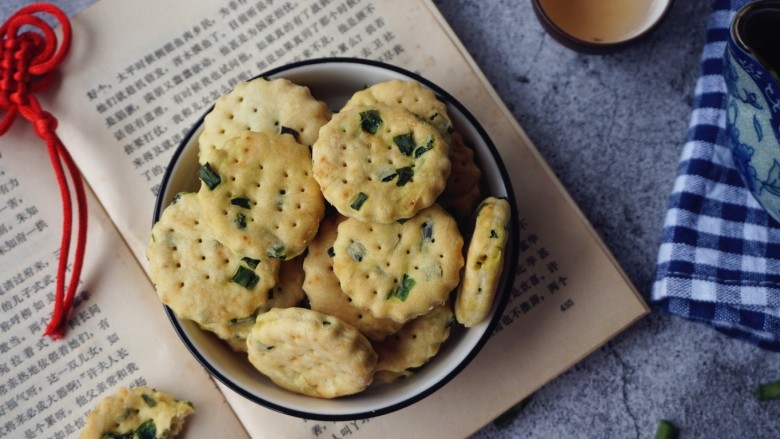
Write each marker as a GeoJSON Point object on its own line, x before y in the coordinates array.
{"type": "Point", "coordinates": [286, 293]}
{"type": "Point", "coordinates": [199, 278]}
{"type": "Point", "coordinates": [259, 196]}
{"type": "Point", "coordinates": [484, 262]}
{"type": "Point", "coordinates": [141, 412]}
{"type": "Point", "coordinates": [380, 163]}
{"type": "Point", "coordinates": [324, 290]}
{"type": "Point", "coordinates": [260, 105]}
{"type": "Point", "coordinates": [311, 353]}
{"type": "Point", "coordinates": [408, 94]}
{"type": "Point", "coordinates": [416, 343]}
{"type": "Point", "coordinates": [399, 270]}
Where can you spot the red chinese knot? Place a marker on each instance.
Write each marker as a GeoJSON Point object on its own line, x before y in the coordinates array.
{"type": "Point", "coordinates": [28, 57]}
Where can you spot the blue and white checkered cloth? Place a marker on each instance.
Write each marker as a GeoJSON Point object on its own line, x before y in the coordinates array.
{"type": "Point", "coordinates": [719, 259]}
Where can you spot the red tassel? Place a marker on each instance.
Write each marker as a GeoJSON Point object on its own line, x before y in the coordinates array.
{"type": "Point", "coordinates": [27, 62]}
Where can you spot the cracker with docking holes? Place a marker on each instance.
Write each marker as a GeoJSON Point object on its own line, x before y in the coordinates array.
{"type": "Point", "coordinates": [465, 172]}
{"type": "Point", "coordinates": [416, 343]}
{"type": "Point", "coordinates": [462, 191]}
{"type": "Point", "coordinates": [311, 353]}
{"type": "Point", "coordinates": [461, 206]}
{"type": "Point", "coordinates": [140, 412]}
{"type": "Point", "coordinates": [259, 196]}
{"type": "Point", "coordinates": [287, 292]}
{"type": "Point", "coordinates": [380, 164]}
{"type": "Point", "coordinates": [408, 94]}
{"type": "Point", "coordinates": [399, 270]}
{"type": "Point", "coordinates": [199, 278]}
{"type": "Point", "coordinates": [324, 291]}
{"type": "Point", "coordinates": [484, 262]}
{"type": "Point", "coordinates": [260, 105]}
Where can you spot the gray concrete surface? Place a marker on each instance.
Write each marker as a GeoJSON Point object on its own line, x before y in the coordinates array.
{"type": "Point", "coordinates": [612, 128]}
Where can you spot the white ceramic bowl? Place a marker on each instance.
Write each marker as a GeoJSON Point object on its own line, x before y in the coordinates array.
{"type": "Point", "coordinates": [334, 81]}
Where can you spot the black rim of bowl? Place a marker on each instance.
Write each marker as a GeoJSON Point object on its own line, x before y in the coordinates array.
{"type": "Point", "coordinates": [510, 262]}
{"type": "Point", "coordinates": [574, 43]}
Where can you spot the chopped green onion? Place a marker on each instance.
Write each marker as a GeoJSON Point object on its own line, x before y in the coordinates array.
{"type": "Point", "coordinates": [506, 418]}
{"type": "Point", "coordinates": [241, 221]}
{"type": "Point", "coordinates": [277, 252]}
{"type": "Point", "coordinates": [370, 121]}
{"type": "Point", "coordinates": [209, 177]}
{"type": "Point", "coordinates": [404, 175]}
{"type": "Point", "coordinates": [423, 149]}
{"type": "Point", "coordinates": [665, 430]}
{"type": "Point", "coordinates": [245, 277]}
{"type": "Point", "coordinates": [240, 202]}
{"type": "Point", "coordinates": [325, 323]}
{"type": "Point", "coordinates": [402, 292]}
{"type": "Point", "coordinates": [148, 400]}
{"type": "Point", "coordinates": [356, 251]}
{"type": "Point", "coordinates": [263, 347]}
{"type": "Point", "coordinates": [290, 131]}
{"type": "Point", "coordinates": [766, 391]}
{"type": "Point", "coordinates": [331, 252]}
{"type": "Point", "coordinates": [427, 231]}
{"type": "Point", "coordinates": [405, 143]}
{"type": "Point", "coordinates": [359, 200]}
{"type": "Point", "coordinates": [389, 177]}
{"type": "Point", "coordinates": [493, 234]}
{"type": "Point", "coordinates": [147, 430]}
{"type": "Point", "coordinates": [251, 262]}
{"type": "Point", "coordinates": [242, 320]}
{"type": "Point", "coordinates": [177, 197]}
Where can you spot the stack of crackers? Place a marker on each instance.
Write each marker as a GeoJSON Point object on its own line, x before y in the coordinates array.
{"type": "Point", "coordinates": [328, 245]}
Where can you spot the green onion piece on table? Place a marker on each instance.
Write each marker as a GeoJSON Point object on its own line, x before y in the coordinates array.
{"type": "Point", "coordinates": [665, 430]}
{"type": "Point", "coordinates": [767, 391]}
{"type": "Point", "coordinates": [503, 420]}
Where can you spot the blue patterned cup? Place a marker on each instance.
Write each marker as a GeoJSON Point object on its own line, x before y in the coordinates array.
{"type": "Point", "coordinates": [752, 75]}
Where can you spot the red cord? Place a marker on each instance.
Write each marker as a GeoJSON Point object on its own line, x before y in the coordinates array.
{"type": "Point", "coordinates": [27, 62]}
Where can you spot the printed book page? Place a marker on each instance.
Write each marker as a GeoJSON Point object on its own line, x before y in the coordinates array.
{"type": "Point", "coordinates": [117, 333]}
{"type": "Point", "coordinates": [140, 73]}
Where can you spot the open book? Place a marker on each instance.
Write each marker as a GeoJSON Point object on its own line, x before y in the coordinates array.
{"type": "Point", "coordinates": [138, 75]}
